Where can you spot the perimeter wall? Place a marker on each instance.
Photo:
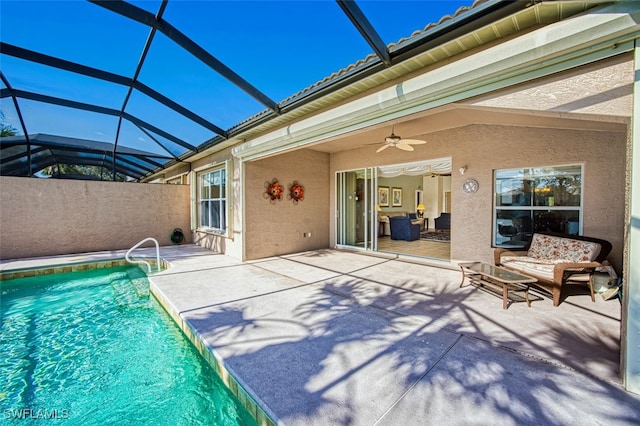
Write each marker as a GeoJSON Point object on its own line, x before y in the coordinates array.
{"type": "Point", "coordinates": [44, 217]}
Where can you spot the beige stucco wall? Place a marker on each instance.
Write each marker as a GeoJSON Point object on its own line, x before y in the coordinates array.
{"type": "Point", "coordinates": [41, 217]}
{"type": "Point", "coordinates": [603, 156]}
{"type": "Point", "coordinates": [484, 148]}
{"type": "Point", "coordinates": [278, 227]}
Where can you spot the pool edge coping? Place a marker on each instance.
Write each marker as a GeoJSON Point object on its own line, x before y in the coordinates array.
{"type": "Point", "coordinates": [253, 404]}
{"type": "Point", "coordinates": [34, 271]}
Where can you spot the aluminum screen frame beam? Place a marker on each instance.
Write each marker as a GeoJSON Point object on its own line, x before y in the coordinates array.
{"type": "Point", "coordinates": [40, 58]}
{"type": "Point", "coordinates": [10, 92]}
{"type": "Point", "coordinates": [475, 18]}
{"type": "Point", "coordinates": [142, 16]}
{"type": "Point", "coordinates": [366, 29]}
{"type": "Point", "coordinates": [98, 109]}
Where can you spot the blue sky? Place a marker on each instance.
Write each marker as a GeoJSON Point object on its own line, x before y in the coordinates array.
{"type": "Point", "coordinates": [280, 47]}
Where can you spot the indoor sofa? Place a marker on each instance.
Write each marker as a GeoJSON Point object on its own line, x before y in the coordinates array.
{"type": "Point", "coordinates": [402, 228]}
{"type": "Point", "coordinates": [385, 228]}
{"type": "Point", "coordinates": [556, 260]}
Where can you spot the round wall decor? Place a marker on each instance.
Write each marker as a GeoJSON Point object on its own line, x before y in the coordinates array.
{"type": "Point", "coordinates": [470, 185]}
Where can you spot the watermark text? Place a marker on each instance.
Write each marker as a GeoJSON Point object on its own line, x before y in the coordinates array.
{"type": "Point", "coordinates": [32, 414]}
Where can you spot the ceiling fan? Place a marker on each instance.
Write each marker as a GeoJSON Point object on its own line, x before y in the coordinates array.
{"type": "Point", "coordinates": [398, 142]}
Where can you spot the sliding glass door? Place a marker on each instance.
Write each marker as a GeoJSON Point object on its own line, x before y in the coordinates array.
{"type": "Point", "coordinates": [356, 223]}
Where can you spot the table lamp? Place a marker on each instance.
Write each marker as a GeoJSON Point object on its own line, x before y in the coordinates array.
{"type": "Point", "coordinates": [420, 209]}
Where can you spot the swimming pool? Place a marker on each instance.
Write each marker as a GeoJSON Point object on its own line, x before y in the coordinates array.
{"type": "Point", "coordinates": [92, 347]}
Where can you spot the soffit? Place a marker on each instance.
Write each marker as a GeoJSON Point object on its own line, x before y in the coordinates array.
{"type": "Point", "coordinates": [419, 126]}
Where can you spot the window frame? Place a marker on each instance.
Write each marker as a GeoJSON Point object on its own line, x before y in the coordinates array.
{"type": "Point", "coordinates": [223, 198]}
{"type": "Point", "coordinates": [536, 202]}
{"type": "Point", "coordinates": [175, 180]}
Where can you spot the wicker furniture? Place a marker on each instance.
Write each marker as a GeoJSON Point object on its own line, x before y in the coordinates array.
{"type": "Point", "coordinates": [556, 260]}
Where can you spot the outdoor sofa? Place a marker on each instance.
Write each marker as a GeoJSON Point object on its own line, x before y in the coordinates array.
{"type": "Point", "coordinates": [557, 260]}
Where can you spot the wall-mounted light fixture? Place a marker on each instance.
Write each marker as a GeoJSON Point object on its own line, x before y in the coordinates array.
{"type": "Point", "coordinates": [462, 169]}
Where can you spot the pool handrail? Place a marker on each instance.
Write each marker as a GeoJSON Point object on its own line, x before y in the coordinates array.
{"type": "Point", "coordinates": [126, 256]}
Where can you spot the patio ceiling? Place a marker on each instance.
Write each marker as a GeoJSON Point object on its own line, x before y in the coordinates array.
{"type": "Point", "coordinates": [177, 77]}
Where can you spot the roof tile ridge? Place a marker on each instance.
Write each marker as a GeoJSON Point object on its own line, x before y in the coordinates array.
{"type": "Point", "coordinates": [361, 62]}
{"type": "Point", "coordinates": [443, 19]}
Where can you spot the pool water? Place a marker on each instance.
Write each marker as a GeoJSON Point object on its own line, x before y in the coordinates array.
{"type": "Point", "coordinates": [93, 348]}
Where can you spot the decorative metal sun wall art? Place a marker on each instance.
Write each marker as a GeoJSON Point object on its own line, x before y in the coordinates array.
{"type": "Point", "coordinates": [296, 192]}
{"type": "Point", "coordinates": [274, 190]}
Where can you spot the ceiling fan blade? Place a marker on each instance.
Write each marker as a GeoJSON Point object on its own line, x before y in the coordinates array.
{"type": "Point", "coordinates": [413, 141]}
{"type": "Point", "coordinates": [382, 148]}
{"type": "Point", "coordinates": [404, 147]}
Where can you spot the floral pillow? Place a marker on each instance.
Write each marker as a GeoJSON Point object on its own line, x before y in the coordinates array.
{"type": "Point", "coordinates": [562, 249]}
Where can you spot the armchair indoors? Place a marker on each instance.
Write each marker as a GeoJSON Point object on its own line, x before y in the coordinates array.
{"type": "Point", "coordinates": [403, 229]}
{"type": "Point", "coordinates": [443, 222]}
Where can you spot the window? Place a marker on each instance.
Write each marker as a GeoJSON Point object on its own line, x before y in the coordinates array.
{"type": "Point", "coordinates": [174, 181]}
{"type": "Point", "coordinates": [212, 200]}
{"type": "Point", "coordinates": [537, 199]}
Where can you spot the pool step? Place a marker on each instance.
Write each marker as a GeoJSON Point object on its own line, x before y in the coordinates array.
{"type": "Point", "coordinates": [139, 281]}
{"type": "Point", "coordinates": [132, 288]}
{"type": "Point", "coordinates": [124, 292]}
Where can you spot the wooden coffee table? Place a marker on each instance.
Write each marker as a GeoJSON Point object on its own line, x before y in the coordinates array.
{"type": "Point", "coordinates": [498, 280]}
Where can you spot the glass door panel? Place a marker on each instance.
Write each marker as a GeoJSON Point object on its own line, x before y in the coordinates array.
{"type": "Point", "coordinates": [355, 219]}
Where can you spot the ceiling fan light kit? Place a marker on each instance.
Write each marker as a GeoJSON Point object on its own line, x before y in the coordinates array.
{"type": "Point", "coordinates": [398, 142]}
{"type": "Point", "coordinates": [393, 138]}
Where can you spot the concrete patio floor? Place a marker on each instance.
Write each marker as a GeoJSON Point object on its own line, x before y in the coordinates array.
{"type": "Point", "coordinates": [333, 337]}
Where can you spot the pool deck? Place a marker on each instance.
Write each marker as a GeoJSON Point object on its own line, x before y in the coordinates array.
{"type": "Point", "coordinates": [333, 337]}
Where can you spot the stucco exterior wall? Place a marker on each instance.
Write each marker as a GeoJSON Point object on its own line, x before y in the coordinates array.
{"type": "Point", "coordinates": [43, 217]}
{"type": "Point", "coordinates": [484, 148]}
{"type": "Point", "coordinates": [279, 227]}
{"type": "Point", "coordinates": [601, 153]}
